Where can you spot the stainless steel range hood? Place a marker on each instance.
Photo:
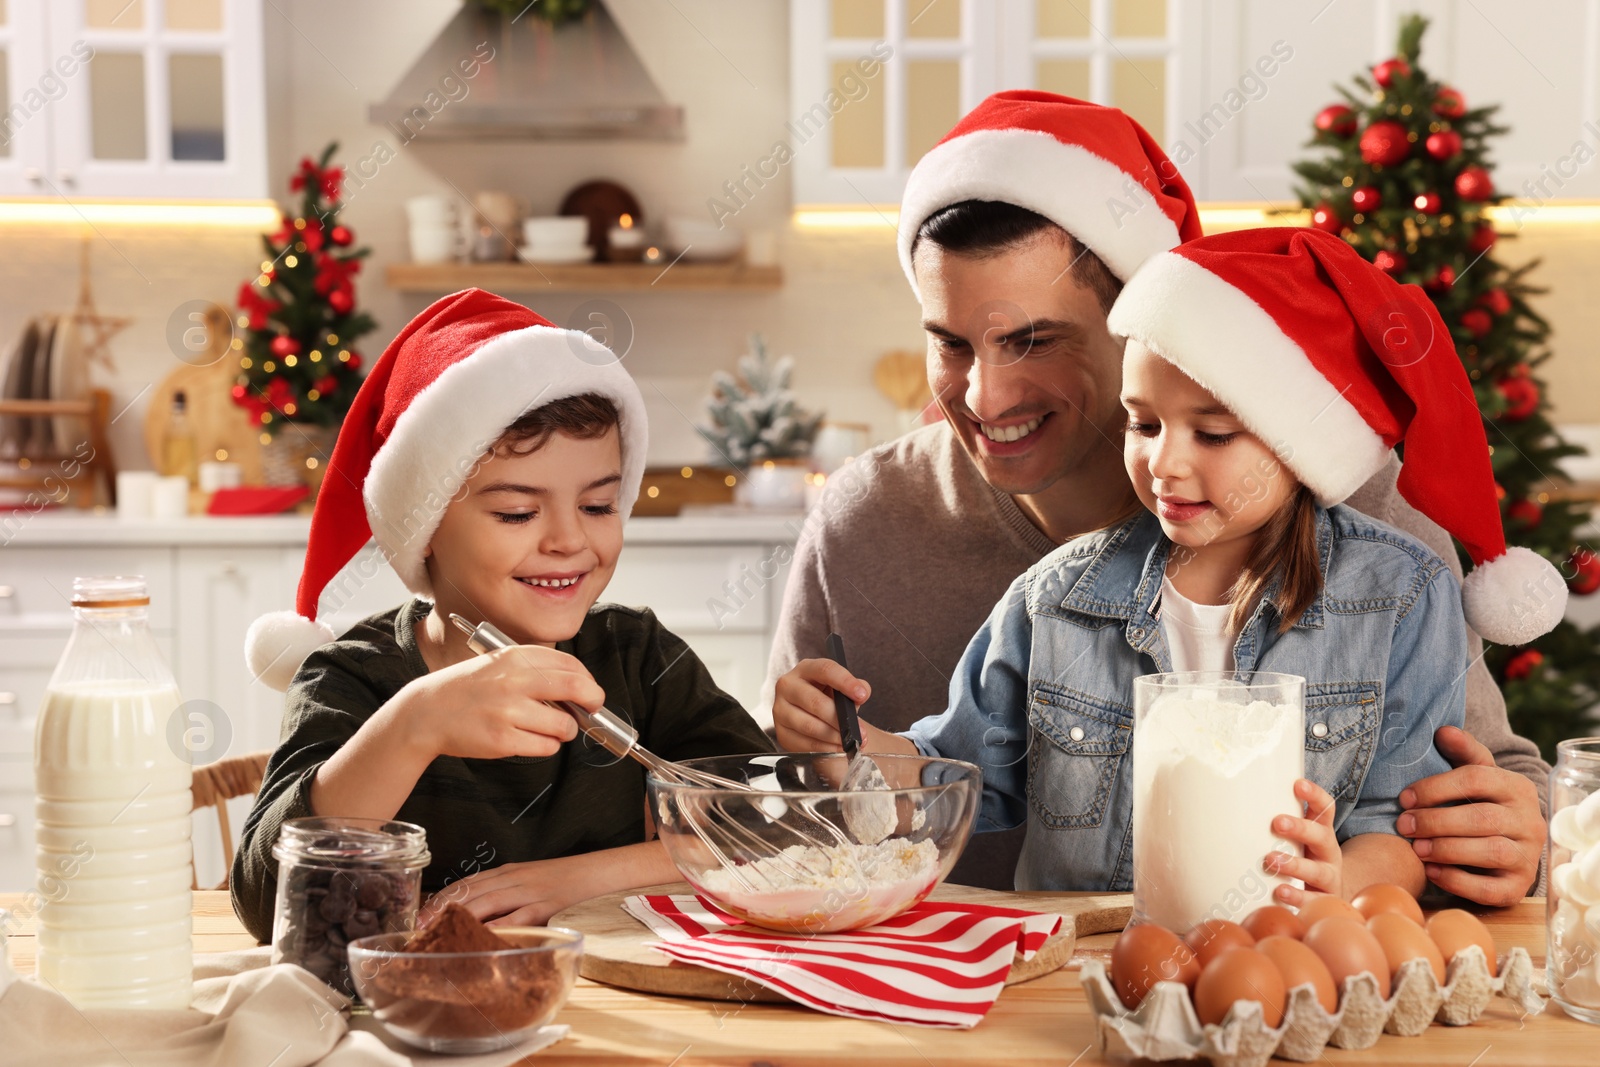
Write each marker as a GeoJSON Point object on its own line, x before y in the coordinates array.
{"type": "Point", "coordinates": [581, 81]}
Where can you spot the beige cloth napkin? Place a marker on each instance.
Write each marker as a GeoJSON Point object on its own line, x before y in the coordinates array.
{"type": "Point", "coordinates": [245, 1012]}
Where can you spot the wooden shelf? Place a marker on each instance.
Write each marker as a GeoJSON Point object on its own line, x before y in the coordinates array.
{"type": "Point", "coordinates": [581, 277]}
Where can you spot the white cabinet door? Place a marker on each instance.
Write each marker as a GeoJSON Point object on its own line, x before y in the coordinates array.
{"type": "Point", "coordinates": [738, 663]}
{"type": "Point", "coordinates": [221, 591]}
{"type": "Point", "coordinates": [30, 83]}
{"type": "Point", "coordinates": [1542, 63]}
{"type": "Point", "coordinates": [171, 105]}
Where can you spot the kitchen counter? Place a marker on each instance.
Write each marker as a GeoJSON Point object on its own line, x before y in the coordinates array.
{"type": "Point", "coordinates": [1045, 1021]}
{"type": "Point", "coordinates": [101, 527]}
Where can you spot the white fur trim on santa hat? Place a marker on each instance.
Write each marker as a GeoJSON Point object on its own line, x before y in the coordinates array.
{"type": "Point", "coordinates": [278, 642]}
{"type": "Point", "coordinates": [1228, 343]}
{"type": "Point", "coordinates": [438, 440]}
{"type": "Point", "coordinates": [1514, 597]}
{"type": "Point", "coordinates": [1099, 203]}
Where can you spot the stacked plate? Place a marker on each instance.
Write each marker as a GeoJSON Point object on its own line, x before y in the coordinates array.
{"type": "Point", "coordinates": [46, 363]}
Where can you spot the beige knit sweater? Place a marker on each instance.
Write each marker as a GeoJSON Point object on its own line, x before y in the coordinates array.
{"type": "Point", "coordinates": [909, 549]}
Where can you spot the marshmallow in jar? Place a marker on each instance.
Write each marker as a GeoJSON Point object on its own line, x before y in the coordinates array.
{"type": "Point", "coordinates": [1215, 758]}
{"type": "Point", "coordinates": [1572, 902]}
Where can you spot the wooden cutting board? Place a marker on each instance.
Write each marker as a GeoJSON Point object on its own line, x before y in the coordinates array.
{"type": "Point", "coordinates": [615, 952]}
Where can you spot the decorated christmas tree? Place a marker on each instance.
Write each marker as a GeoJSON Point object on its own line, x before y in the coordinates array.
{"type": "Point", "coordinates": [1403, 174]}
{"type": "Point", "coordinates": [298, 320]}
{"type": "Point", "coordinates": [755, 416]}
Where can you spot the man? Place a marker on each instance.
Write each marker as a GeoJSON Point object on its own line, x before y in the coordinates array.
{"type": "Point", "coordinates": [1017, 232]}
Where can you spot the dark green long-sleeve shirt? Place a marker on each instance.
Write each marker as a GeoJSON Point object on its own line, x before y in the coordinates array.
{"type": "Point", "coordinates": [480, 813]}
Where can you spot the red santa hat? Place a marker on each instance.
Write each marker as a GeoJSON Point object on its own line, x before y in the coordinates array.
{"type": "Point", "coordinates": [433, 404]}
{"type": "Point", "coordinates": [1088, 168]}
{"type": "Point", "coordinates": [1332, 363]}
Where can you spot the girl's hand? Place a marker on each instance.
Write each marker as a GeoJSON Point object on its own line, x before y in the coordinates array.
{"type": "Point", "coordinates": [1321, 866]}
{"type": "Point", "coordinates": [802, 705]}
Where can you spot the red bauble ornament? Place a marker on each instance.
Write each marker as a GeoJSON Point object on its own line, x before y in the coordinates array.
{"type": "Point", "coordinates": [1585, 578]}
{"type": "Point", "coordinates": [1449, 104]}
{"type": "Point", "coordinates": [341, 235]}
{"type": "Point", "coordinates": [1366, 198]}
{"type": "Point", "coordinates": [1428, 203]}
{"type": "Point", "coordinates": [1521, 396]}
{"type": "Point", "coordinates": [1446, 144]}
{"type": "Point", "coordinates": [1442, 280]}
{"type": "Point", "coordinates": [1477, 322]}
{"type": "Point", "coordinates": [1326, 219]}
{"type": "Point", "coordinates": [1474, 184]}
{"type": "Point", "coordinates": [1383, 144]}
{"type": "Point", "coordinates": [1496, 301]}
{"type": "Point", "coordinates": [284, 345]}
{"type": "Point", "coordinates": [341, 301]}
{"type": "Point", "coordinates": [1389, 262]}
{"type": "Point", "coordinates": [240, 393]}
{"type": "Point", "coordinates": [1526, 512]}
{"type": "Point", "coordinates": [325, 384]}
{"type": "Point", "coordinates": [1386, 72]}
{"type": "Point", "coordinates": [1337, 120]}
{"type": "Point", "coordinates": [1482, 239]}
{"type": "Point", "coordinates": [1523, 664]}
{"type": "Point", "coordinates": [354, 362]}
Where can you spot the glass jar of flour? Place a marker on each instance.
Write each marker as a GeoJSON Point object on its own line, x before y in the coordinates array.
{"type": "Point", "coordinates": [1215, 758]}
{"type": "Point", "coordinates": [1572, 902]}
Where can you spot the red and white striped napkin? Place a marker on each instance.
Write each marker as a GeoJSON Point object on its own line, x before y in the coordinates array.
{"type": "Point", "coordinates": [938, 964]}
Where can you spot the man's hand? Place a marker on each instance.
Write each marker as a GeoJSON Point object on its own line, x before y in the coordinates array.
{"type": "Point", "coordinates": [1477, 828]}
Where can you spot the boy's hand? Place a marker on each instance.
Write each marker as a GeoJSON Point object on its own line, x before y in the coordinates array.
{"type": "Point", "coordinates": [802, 710]}
{"type": "Point", "coordinates": [1322, 865]}
{"type": "Point", "coordinates": [495, 705]}
{"type": "Point", "coordinates": [528, 894]}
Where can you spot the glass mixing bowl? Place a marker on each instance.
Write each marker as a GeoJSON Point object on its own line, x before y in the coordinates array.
{"type": "Point", "coordinates": [799, 855]}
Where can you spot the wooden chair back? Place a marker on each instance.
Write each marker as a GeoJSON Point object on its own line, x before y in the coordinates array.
{"type": "Point", "coordinates": [213, 786]}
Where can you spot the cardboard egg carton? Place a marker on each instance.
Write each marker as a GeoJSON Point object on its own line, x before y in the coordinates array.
{"type": "Point", "coordinates": [1165, 1027]}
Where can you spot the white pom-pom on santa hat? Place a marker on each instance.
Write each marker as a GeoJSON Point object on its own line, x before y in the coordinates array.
{"type": "Point", "coordinates": [1514, 597]}
{"type": "Point", "coordinates": [433, 404]}
{"type": "Point", "coordinates": [278, 642]}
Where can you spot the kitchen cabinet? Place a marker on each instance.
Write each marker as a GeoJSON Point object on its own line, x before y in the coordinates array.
{"type": "Point", "coordinates": [1228, 87]}
{"type": "Point", "coordinates": [716, 582]}
{"type": "Point", "coordinates": [132, 98]}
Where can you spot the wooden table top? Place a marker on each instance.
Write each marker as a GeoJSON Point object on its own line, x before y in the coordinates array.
{"type": "Point", "coordinates": [1045, 1021]}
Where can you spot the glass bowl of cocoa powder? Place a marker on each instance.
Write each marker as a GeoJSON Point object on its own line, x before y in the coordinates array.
{"type": "Point", "coordinates": [459, 986]}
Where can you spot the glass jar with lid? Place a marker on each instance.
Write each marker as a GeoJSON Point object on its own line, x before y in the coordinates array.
{"type": "Point", "coordinates": [1572, 901]}
{"type": "Point", "coordinates": [340, 879]}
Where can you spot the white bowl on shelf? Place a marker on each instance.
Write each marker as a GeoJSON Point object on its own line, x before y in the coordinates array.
{"type": "Point", "coordinates": [553, 232]}
{"type": "Point", "coordinates": [699, 241]}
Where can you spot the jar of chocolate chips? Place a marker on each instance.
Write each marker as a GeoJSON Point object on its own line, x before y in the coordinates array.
{"type": "Point", "coordinates": [340, 879]}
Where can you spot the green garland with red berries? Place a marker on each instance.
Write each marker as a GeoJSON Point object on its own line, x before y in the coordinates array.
{"type": "Point", "coordinates": [298, 320]}
{"type": "Point", "coordinates": [1403, 175]}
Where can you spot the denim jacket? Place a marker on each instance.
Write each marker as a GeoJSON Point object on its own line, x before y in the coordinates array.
{"type": "Point", "coordinates": [1042, 698]}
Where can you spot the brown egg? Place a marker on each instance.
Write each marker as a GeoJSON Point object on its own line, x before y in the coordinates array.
{"type": "Point", "coordinates": [1210, 937]}
{"type": "Point", "coordinates": [1402, 939]}
{"type": "Point", "coordinates": [1377, 899]}
{"type": "Point", "coordinates": [1273, 920]}
{"type": "Point", "coordinates": [1236, 974]}
{"type": "Point", "coordinates": [1453, 930]}
{"type": "Point", "coordinates": [1146, 954]}
{"type": "Point", "coordinates": [1319, 906]}
{"type": "Point", "coordinates": [1300, 966]}
{"type": "Point", "coordinates": [1348, 948]}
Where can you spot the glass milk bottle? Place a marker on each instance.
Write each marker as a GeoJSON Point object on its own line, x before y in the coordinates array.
{"type": "Point", "coordinates": [1215, 758]}
{"type": "Point", "coordinates": [113, 806]}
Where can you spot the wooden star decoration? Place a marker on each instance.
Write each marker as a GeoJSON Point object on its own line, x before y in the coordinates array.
{"type": "Point", "coordinates": [95, 329]}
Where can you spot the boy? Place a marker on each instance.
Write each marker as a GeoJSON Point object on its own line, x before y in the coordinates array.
{"type": "Point", "coordinates": [495, 458]}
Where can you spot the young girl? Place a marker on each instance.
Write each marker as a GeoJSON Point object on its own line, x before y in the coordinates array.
{"type": "Point", "coordinates": [1267, 375]}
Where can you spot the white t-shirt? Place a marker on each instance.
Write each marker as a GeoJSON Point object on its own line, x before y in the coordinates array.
{"type": "Point", "coordinates": [1197, 634]}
